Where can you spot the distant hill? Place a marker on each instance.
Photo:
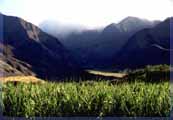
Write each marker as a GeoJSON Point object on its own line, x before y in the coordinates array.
{"type": "Point", "coordinates": [44, 54]}
{"type": "Point", "coordinates": [113, 38]}
{"type": "Point", "coordinates": [76, 39]}
{"type": "Point", "coordinates": [149, 46]}
{"type": "Point", "coordinates": [131, 24]}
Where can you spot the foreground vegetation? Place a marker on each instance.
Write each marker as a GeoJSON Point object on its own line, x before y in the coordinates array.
{"type": "Point", "coordinates": [136, 97]}
{"type": "Point", "coordinates": [92, 98]}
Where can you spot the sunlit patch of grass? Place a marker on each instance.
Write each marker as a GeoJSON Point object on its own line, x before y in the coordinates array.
{"type": "Point", "coordinates": [23, 79]}
{"type": "Point", "coordinates": [108, 74]}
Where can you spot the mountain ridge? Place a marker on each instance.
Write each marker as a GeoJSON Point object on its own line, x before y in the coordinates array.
{"type": "Point", "coordinates": [26, 49]}
{"type": "Point", "coordinates": [100, 46]}
{"type": "Point", "coordinates": [26, 42]}
{"type": "Point", "coordinates": [147, 47]}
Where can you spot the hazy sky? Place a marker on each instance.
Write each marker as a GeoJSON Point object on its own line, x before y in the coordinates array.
{"type": "Point", "coordinates": [91, 13]}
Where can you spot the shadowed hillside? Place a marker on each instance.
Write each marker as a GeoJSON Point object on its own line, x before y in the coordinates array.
{"type": "Point", "coordinates": [45, 55]}
{"type": "Point", "coordinates": [96, 48]}
{"type": "Point", "coordinates": [146, 47]}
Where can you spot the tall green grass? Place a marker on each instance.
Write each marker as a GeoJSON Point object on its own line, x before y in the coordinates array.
{"type": "Point", "coordinates": [86, 99]}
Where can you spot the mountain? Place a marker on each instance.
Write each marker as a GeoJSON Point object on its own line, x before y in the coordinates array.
{"type": "Point", "coordinates": [97, 48]}
{"type": "Point", "coordinates": [116, 35]}
{"type": "Point", "coordinates": [37, 51]}
{"type": "Point", "coordinates": [77, 39]}
{"type": "Point", "coordinates": [131, 25]}
{"type": "Point", "coordinates": [104, 47]}
{"type": "Point", "coordinates": [10, 66]}
{"type": "Point", "coordinates": [113, 38]}
{"type": "Point", "coordinates": [81, 44]}
{"type": "Point", "coordinates": [149, 46]}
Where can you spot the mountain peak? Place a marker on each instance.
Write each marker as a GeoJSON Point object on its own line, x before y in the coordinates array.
{"type": "Point", "coordinates": [130, 19]}
{"type": "Point", "coordinates": [169, 19]}
{"type": "Point", "coordinates": [152, 43]}
{"type": "Point", "coordinates": [111, 28]}
{"type": "Point", "coordinates": [129, 23]}
{"type": "Point", "coordinates": [112, 24]}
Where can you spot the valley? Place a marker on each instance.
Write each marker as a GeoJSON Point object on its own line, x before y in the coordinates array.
{"type": "Point", "coordinates": [120, 70]}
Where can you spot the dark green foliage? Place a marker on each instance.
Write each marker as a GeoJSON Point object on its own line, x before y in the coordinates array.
{"type": "Point", "coordinates": [156, 73]}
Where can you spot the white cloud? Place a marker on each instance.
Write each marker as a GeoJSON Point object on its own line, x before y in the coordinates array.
{"type": "Point", "coordinates": [87, 12]}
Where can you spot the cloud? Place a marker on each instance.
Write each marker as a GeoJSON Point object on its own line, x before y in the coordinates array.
{"type": "Point", "coordinates": [171, 1]}
{"type": "Point", "coordinates": [87, 12]}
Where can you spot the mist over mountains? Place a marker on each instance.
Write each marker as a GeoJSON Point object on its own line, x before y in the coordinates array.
{"type": "Point", "coordinates": [96, 48]}
{"type": "Point", "coordinates": [60, 30]}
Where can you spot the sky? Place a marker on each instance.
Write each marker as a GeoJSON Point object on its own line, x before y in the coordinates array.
{"type": "Point", "coordinates": [90, 13]}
